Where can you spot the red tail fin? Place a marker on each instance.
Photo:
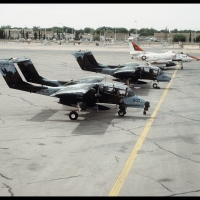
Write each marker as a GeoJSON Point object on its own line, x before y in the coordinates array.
{"type": "Point", "coordinates": [136, 47]}
{"type": "Point", "coordinates": [194, 57]}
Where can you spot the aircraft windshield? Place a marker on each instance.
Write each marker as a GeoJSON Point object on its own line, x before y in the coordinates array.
{"type": "Point", "coordinates": [160, 72]}
{"type": "Point", "coordinates": [154, 71]}
{"type": "Point", "coordinates": [119, 91]}
{"type": "Point", "coordinates": [130, 93]}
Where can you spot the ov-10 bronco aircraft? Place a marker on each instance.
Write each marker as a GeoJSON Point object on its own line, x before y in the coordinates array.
{"type": "Point", "coordinates": [128, 73]}
{"type": "Point", "coordinates": [161, 60]}
{"type": "Point", "coordinates": [85, 93]}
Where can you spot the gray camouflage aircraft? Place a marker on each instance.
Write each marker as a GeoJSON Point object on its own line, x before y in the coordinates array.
{"type": "Point", "coordinates": [86, 93]}
{"type": "Point", "coordinates": [128, 73]}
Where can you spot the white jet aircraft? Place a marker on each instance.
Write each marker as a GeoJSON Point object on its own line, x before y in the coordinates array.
{"type": "Point", "coordinates": [161, 60]}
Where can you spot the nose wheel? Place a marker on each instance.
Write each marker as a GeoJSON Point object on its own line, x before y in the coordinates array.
{"type": "Point", "coordinates": [122, 110]}
{"type": "Point", "coordinates": [155, 85]}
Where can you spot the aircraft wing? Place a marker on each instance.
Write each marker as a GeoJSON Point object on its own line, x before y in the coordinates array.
{"type": "Point", "coordinates": [77, 90]}
{"type": "Point", "coordinates": [124, 70]}
{"type": "Point", "coordinates": [160, 61]}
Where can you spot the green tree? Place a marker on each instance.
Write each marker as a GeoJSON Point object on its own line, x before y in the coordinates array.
{"type": "Point", "coordinates": [179, 37]}
{"type": "Point", "coordinates": [35, 36]}
{"type": "Point", "coordinates": [198, 38]}
{"type": "Point", "coordinates": [36, 28]}
{"type": "Point", "coordinates": [174, 31]}
{"type": "Point", "coordinates": [190, 37]}
{"type": "Point", "coordinates": [27, 35]}
{"type": "Point", "coordinates": [96, 37]}
{"type": "Point", "coordinates": [87, 30]}
{"type": "Point", "coordinates": [5, 27]}
{"type": "Point", "coordinates": [77, 34]}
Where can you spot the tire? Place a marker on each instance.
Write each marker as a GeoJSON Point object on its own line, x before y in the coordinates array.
{"type": "Point", "coordinates": [121, 113]}
{"type": "Point", "coordinates": [143, 57]}
{"type": "Point", "coordinates": [73, 115]}
{"type": "Point", "coordinates": [155, 85]}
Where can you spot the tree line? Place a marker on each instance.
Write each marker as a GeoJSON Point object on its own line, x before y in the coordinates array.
{"type": "Point", "coordinates": [145, 32]}
{"type": "Point", "coordinates": [142, 32]}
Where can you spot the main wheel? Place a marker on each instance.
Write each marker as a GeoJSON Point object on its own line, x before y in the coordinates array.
{"type": "Point", "coordinates": [155, 85]}
{"type": "Point", "coordinates": [121, 113]}
{"type": "Point", "coordinates": [73, 115]}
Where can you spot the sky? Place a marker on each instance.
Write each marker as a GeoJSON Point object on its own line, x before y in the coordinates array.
{"type": "Point", "coordinates": [80, 16]}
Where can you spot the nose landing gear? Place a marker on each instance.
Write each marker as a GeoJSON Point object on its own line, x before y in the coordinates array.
{"type": "Point", "coordinates": [155, 85]}
{"type": "Point", "coordinates": [122, 110]}
{"type": "Point", "coordinates": [146, 107]}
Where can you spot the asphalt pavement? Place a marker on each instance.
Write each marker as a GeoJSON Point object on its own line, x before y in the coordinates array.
{"type": "Point", "coordinates": [44, 153]}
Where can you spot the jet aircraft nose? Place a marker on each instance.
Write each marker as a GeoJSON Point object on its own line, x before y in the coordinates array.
{"type": "Point", "coordinates": [163, 78]}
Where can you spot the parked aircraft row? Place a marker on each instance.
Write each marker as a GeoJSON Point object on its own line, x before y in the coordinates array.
{"type": "Point", "coordinates": [90, 92]}
{"type": "Point", "coordinates": [86, 93]}
{"type": "Point", "coordinates": [129, 73]}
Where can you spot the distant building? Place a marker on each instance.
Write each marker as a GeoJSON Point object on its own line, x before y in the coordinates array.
{"type": "Point", "coordinates": [87, 37]}
{"type": "Point", "coordinates": [17, 33]}
{"type": "Point", "coordinates": [161, 36]}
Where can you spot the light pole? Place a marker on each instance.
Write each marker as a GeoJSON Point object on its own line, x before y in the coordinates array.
{"type": "Point", "coordinates": [25, 32]}
{"type": "Point", "coordinates": [62, 29]}
{"type": "Point", "coordinates": [136, 31]}
{"type": "Point", "coordinates": [115, 35]}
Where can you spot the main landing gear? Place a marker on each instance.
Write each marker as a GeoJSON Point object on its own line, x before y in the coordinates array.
{"type": "Point", "coordinates": [155, 85]}
{"type": "Point", "coordinates": [73, 115]}
{"type": "Point", "coordinates": [122, 110]}
{"type": "Point", "coordinates": [181, 65]}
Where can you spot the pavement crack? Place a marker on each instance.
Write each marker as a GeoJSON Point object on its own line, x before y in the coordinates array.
{"type": "Point", "coordinates": [5, 177]}
{"type": "Point", "coordinates": [55, 179]}
{"type": "Point", "coordinates": [120, 128]}
{"type": "Point", "coordinates": [182, 91]}
{"type": "Point", "coordinates": [9, 189]}
{"type": "Point", "coordinates": [116, 158]}
{"type": "Point", "coordinates": [174, 153]}
{"type": "Point", "coordinates": [24, 158]}
{"type": "Point", "coordinates": [185, 192]}
{"type": "Point", "coordinates": [2, 120]}
{"type": "Point", "coordinates": [156, 181]}
{"type": "Point", "coordinates": [31, 103]}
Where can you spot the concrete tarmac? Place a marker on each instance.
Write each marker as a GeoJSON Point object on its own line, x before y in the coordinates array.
{"type": "Point", "coordinates": [44, 153]}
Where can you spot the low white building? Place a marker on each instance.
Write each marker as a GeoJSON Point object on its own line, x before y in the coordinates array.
{"type": "Point", "coordinates": [87, 37]}
{"type": "Point", "coordinates": [18, 33]}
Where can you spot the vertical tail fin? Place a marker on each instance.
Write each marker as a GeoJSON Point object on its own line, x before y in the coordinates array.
{"type": "Point", "coordinates": [28, 70]}
{"type": "Point", "coordinates": [86, 60]}
{"type": "Point", "coordinates": [31, 75]}
{"type": "Point", "coordinates": [13, 79]}
{"type": "Point", "coordinates": [134, 47]}
{"type": "Point", "coordinates": [91, 59]}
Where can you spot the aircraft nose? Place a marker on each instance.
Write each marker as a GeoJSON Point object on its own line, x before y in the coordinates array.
{"type": "Point", "coordinates": [163, 78]}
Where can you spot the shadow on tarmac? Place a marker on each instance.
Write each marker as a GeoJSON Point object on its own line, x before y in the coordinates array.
{"type": "Point", "coordinates": [99, 121]}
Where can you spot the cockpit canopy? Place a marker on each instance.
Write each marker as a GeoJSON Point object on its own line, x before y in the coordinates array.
{"type": "Point", "coordinates": [116, 89]}
{"type": "Point", "coordinates": [150, 69]}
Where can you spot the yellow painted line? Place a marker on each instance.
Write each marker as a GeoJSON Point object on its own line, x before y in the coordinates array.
{"type": "Point", "coordinates": [122, 176]}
